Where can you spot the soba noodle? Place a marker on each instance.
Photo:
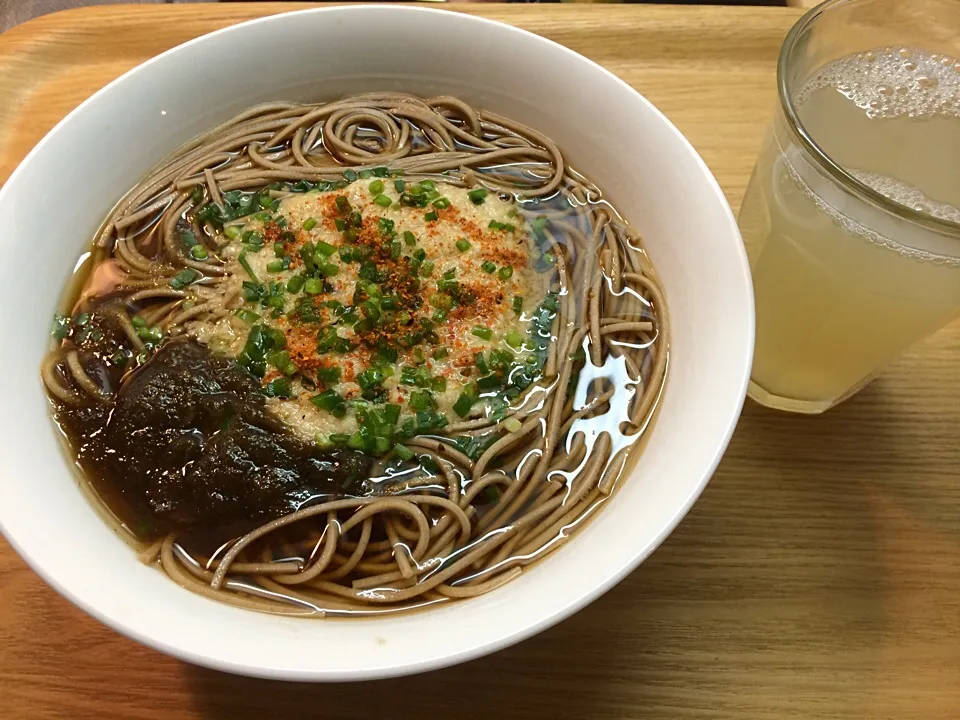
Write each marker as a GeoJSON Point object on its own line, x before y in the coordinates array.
{"type": "Point", "coordinates": [455, 526]}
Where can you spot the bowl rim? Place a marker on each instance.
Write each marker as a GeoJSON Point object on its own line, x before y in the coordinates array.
{"type": "Point", "coordinates": [578, 600]}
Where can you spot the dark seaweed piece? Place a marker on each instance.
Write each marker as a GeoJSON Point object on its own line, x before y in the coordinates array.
{"type": "Point", "coordinates": [190, 446]}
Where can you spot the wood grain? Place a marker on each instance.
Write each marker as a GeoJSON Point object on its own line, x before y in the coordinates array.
{"type": "Point", "coordinates": [818, 576]}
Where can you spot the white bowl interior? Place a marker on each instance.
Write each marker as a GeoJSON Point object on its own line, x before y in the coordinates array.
{"type": "Point", "coordinates": [57, 198]}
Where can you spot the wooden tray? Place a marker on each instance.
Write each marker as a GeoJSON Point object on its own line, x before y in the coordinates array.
{"type": "Point", "coordinates": [818, 576]}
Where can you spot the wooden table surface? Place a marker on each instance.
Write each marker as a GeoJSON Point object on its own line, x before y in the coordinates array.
{"type": "Point", "coordinates": [817, 577]}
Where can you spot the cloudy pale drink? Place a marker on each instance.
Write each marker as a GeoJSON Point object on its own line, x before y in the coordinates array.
{"type": "Point", "coordinates": [843, 285]}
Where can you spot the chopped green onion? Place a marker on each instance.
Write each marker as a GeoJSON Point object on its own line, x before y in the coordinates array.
{"type": "Point", "coordinates": [463, 244]}
{"type": "Point", "coordinates": [370, 378]}
{"type": "Point", "coordinates": [253, 240]}
{"type": "Point", "coordinates": [61, 325]}
{"type": "Point", "coordinates": [487, 266]}
{"type": "Point", "coordinates": [428, 420]}
{"type": "Point", "coordinates": [376, 187]}
{"type": "Point", "coordinates": [245, 264]}
{"type": "Point", "coordinates": [409, 238]}
{"type": "Point", "coordinates": [488, 382]}
{"type": "Point", "coordinates": [400, 185]}
{"type": "Point", "coordinates": [150, 334]}
{"type": "Point", "coordinates": [295, 284]}
{"type": "Point", "coordinates": [329, 269]}
{"type": "Point", "coordinates": [512, 424]}
{"type": "Point", "coordinates": [248, 316]}
{"type": "Point", "coordinates": [501, 359]}
{"type": "Point", "coordinates": [496, 225]}
{"type": "Point", "coordinates": [514, 339]}
{"type": "Point", "coordinates": [395, 248]}
{"type": "Point", "coordinates": [330, 401]}
{"type": "Point", "coordinates": [343, 205]}
{"type": "Point", "coordinates": [518, 304]}
{"type": "Point", "coordinates": [421, 401]}
{"type": "Point", "coordinates": [481, 362]}
{"type": "Point", "coordinates": [430, 216]}
{"type": "Point", "coordinates": [464, 404]}
{"type": "Point", "coordinates": [477, 196]}
{"type": "Point", "coordinates": [370, 310]}
{"type": "Point", "coordinates": [440, 353]}
{"type": "Point", "coordinates": [441, 203]}
{"type": "Point", "coordinates": [329, 374]}
{"type": "Point", "coordinates": [441, 301]}
{"type": "Point", "coordinates": [232, 231]}
{"type": "Point", "coordinates": [279, 387]}
{"type": "Point", "coordinates": [275, 266]}
{"type": "Point", "coordinates": [280, 359]}
{"type": "Point", "coordinates": [403, 452]}
{"type": "Point", "coordinates": [482, 332]}
{"type": "Point", "coordinates": [309, 224]}
{"type": "Point", "coordinates": [386, 356]}
{"type": "Point", "coordinates": [350, 175]}
{"type": "Point", "coordinates": [427, 268]}
{"type": "Point", "coordinates": [391, 413]}
{"type": "Point", "coordinates": [383, 201]}
{"type": "Point", "coordinates": [183, 278]}
{"type": "Point", "coordinates": [439, 384]}
{"type": "Point", "coordinates": [506, 272]}
{"type": "Point", "coordinates": [313, 286]}
{"type": "Point", "coordinates": [199, 252]}
{"type": "Point", "coordinates": [325, 248]}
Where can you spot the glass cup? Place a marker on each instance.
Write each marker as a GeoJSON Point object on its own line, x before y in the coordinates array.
{"type": "Point", "coordinates": [851, 219]}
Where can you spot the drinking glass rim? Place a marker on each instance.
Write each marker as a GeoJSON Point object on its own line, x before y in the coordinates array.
{"type": "Point", "coordinates": [846, 179]}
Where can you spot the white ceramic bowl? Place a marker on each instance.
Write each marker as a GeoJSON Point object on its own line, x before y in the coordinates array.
{"type": "Point", "coordinates": [56, 199]}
